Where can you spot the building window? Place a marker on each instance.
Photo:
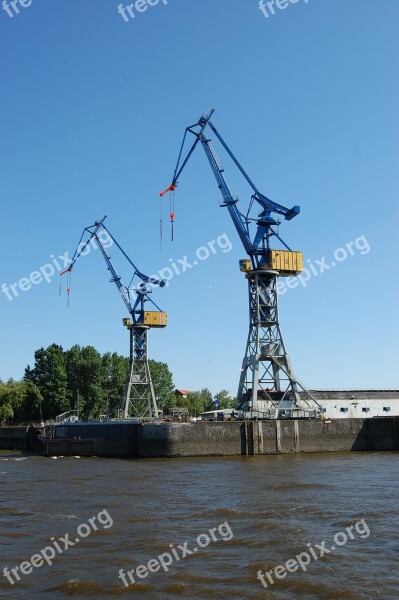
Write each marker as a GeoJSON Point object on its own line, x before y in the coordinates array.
{"type": "Point", "coordinates": [365, 409]}
{"type": "Point", "coordinates": [343, 409]}
{"type": "Point", "coordinates": [386, 408]}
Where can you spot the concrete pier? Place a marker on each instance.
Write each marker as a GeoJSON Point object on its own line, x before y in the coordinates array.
{"type": "Point", "coordinates": [163, 440]}
{"type": "Point", "coordinates": [268, 437]}
{"type": "Point", "coordinates": [170, 440]}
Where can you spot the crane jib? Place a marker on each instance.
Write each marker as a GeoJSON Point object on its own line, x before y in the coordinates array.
{"type": "Point", "coordinates": [141, 295]}
{"type": "Point", "coordinates": [264, 230]}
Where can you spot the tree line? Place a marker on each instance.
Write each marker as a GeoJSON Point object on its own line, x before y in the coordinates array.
{"type": "Point", "coordinates": [64, 380]}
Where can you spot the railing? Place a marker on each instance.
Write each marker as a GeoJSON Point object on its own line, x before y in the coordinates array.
{"type": "Point", "coordinates": [61, 418]}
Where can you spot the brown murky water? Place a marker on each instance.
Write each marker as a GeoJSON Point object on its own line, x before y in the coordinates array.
{"type": "Point", "coordinates": [273, 507]}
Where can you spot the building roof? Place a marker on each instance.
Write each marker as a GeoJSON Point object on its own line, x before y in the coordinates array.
{"type": "Point", "coordinates": [182, 392]}
{"type": "Point", "coordinates": [354, 394]}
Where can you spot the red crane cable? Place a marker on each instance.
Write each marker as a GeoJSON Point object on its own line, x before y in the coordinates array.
{"type": "Point", "coordinates": [69, 274]}
{"type": "Point", "coordinates": [160, 226]}
{"type": "Point", "coordinates": [69, 285]}
{"type": "Point", "coordinates": [172, 212]}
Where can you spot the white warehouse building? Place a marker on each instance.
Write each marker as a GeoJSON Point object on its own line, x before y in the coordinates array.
{"type": "Point", "coordinates": [357, 404]}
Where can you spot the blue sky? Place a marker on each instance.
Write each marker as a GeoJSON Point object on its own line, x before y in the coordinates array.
{"type": "Point", "coordinates": [93, 111]}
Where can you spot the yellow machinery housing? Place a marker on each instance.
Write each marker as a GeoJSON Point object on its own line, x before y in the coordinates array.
{"type": "Point", "coordinates": [155, 318]}
{"type": "Point", "coordinates": [284, 261]}
{"type": "Point", "coordinates": [245, 265]}
{"type": "Point", "coordinates": [152, 318]}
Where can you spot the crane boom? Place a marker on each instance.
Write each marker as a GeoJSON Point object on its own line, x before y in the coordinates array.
{"type": "Point", "coordinates": [125, 291]}
{"type": "Point", "coordinates": [257, 248]}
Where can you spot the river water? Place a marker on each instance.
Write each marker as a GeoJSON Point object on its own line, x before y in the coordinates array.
{"type": "Point", "coordinates": [244, 516]}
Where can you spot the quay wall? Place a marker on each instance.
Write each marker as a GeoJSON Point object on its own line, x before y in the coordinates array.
{"type": "Point", "coordinates": [169, 440]}
{"type": "Point", "coordinates": [267, 437]}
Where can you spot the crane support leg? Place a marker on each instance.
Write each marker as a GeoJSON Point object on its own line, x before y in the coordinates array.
{"type": "Point", "coordinates": [268, 388]}
{"type": "Point", "coordinates": [139, 398]}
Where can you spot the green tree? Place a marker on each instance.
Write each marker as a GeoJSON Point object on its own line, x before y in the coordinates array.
{"type": "Point", "coordinates": [93, 393]}
{"type": "Point", "coordinates": [75, 378]}
{"type": "Point", "coordinates": [52, 386]}
{"type": "Point", "coordinates": [29, 409]}
{"type": "Point", "coordinates": [114, 373]}
{"type": "Point", "coordinates": [162, 380]}
{"type": "Point", "coordinates": [19, 401]}
{"type": "Point", "coordinates": [6, 402]}
{"type": "Point", "coordinates": [85, 374]}
{"type": "Point", "coordinates": [195, 403]}
{"type": "Point", "coordinates": [50, 376]}
{"type": "Point", "coordinates": [183, 402]}
{"type": "Point", "coordinates": [208, 399]}
{"type": "Point", "coordinates": [6, 411]}
{"type": "Point", "coordinates": [198, 402]}
{"type": "Point", "coordinates": [225, 400]}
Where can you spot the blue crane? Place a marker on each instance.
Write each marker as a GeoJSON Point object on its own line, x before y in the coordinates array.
{"type": "Point", "coordinates": [257, 249]}
{"type": "Point", "coordinates": [139, 398]}
{"type": "Point", "coordinates": [267, 386]}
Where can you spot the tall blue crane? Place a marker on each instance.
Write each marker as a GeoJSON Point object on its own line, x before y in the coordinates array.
{"type": "Point", "coordinates": [139, 397]}
{"type": "Point", "coordinates": [267, 386]}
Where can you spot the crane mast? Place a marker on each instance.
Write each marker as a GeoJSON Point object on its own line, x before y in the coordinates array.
{"type": "Point", "coordinates": [267, 387]}
{"type": "Point", "coordinates": [138, 398]}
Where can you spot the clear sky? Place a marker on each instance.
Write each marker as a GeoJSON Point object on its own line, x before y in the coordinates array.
{"type": "Point", "coordinates": [93, 110]}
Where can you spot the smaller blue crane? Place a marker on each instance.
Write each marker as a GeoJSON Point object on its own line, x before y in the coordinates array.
{"type": "Point", "coordinates": [139, 397]}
